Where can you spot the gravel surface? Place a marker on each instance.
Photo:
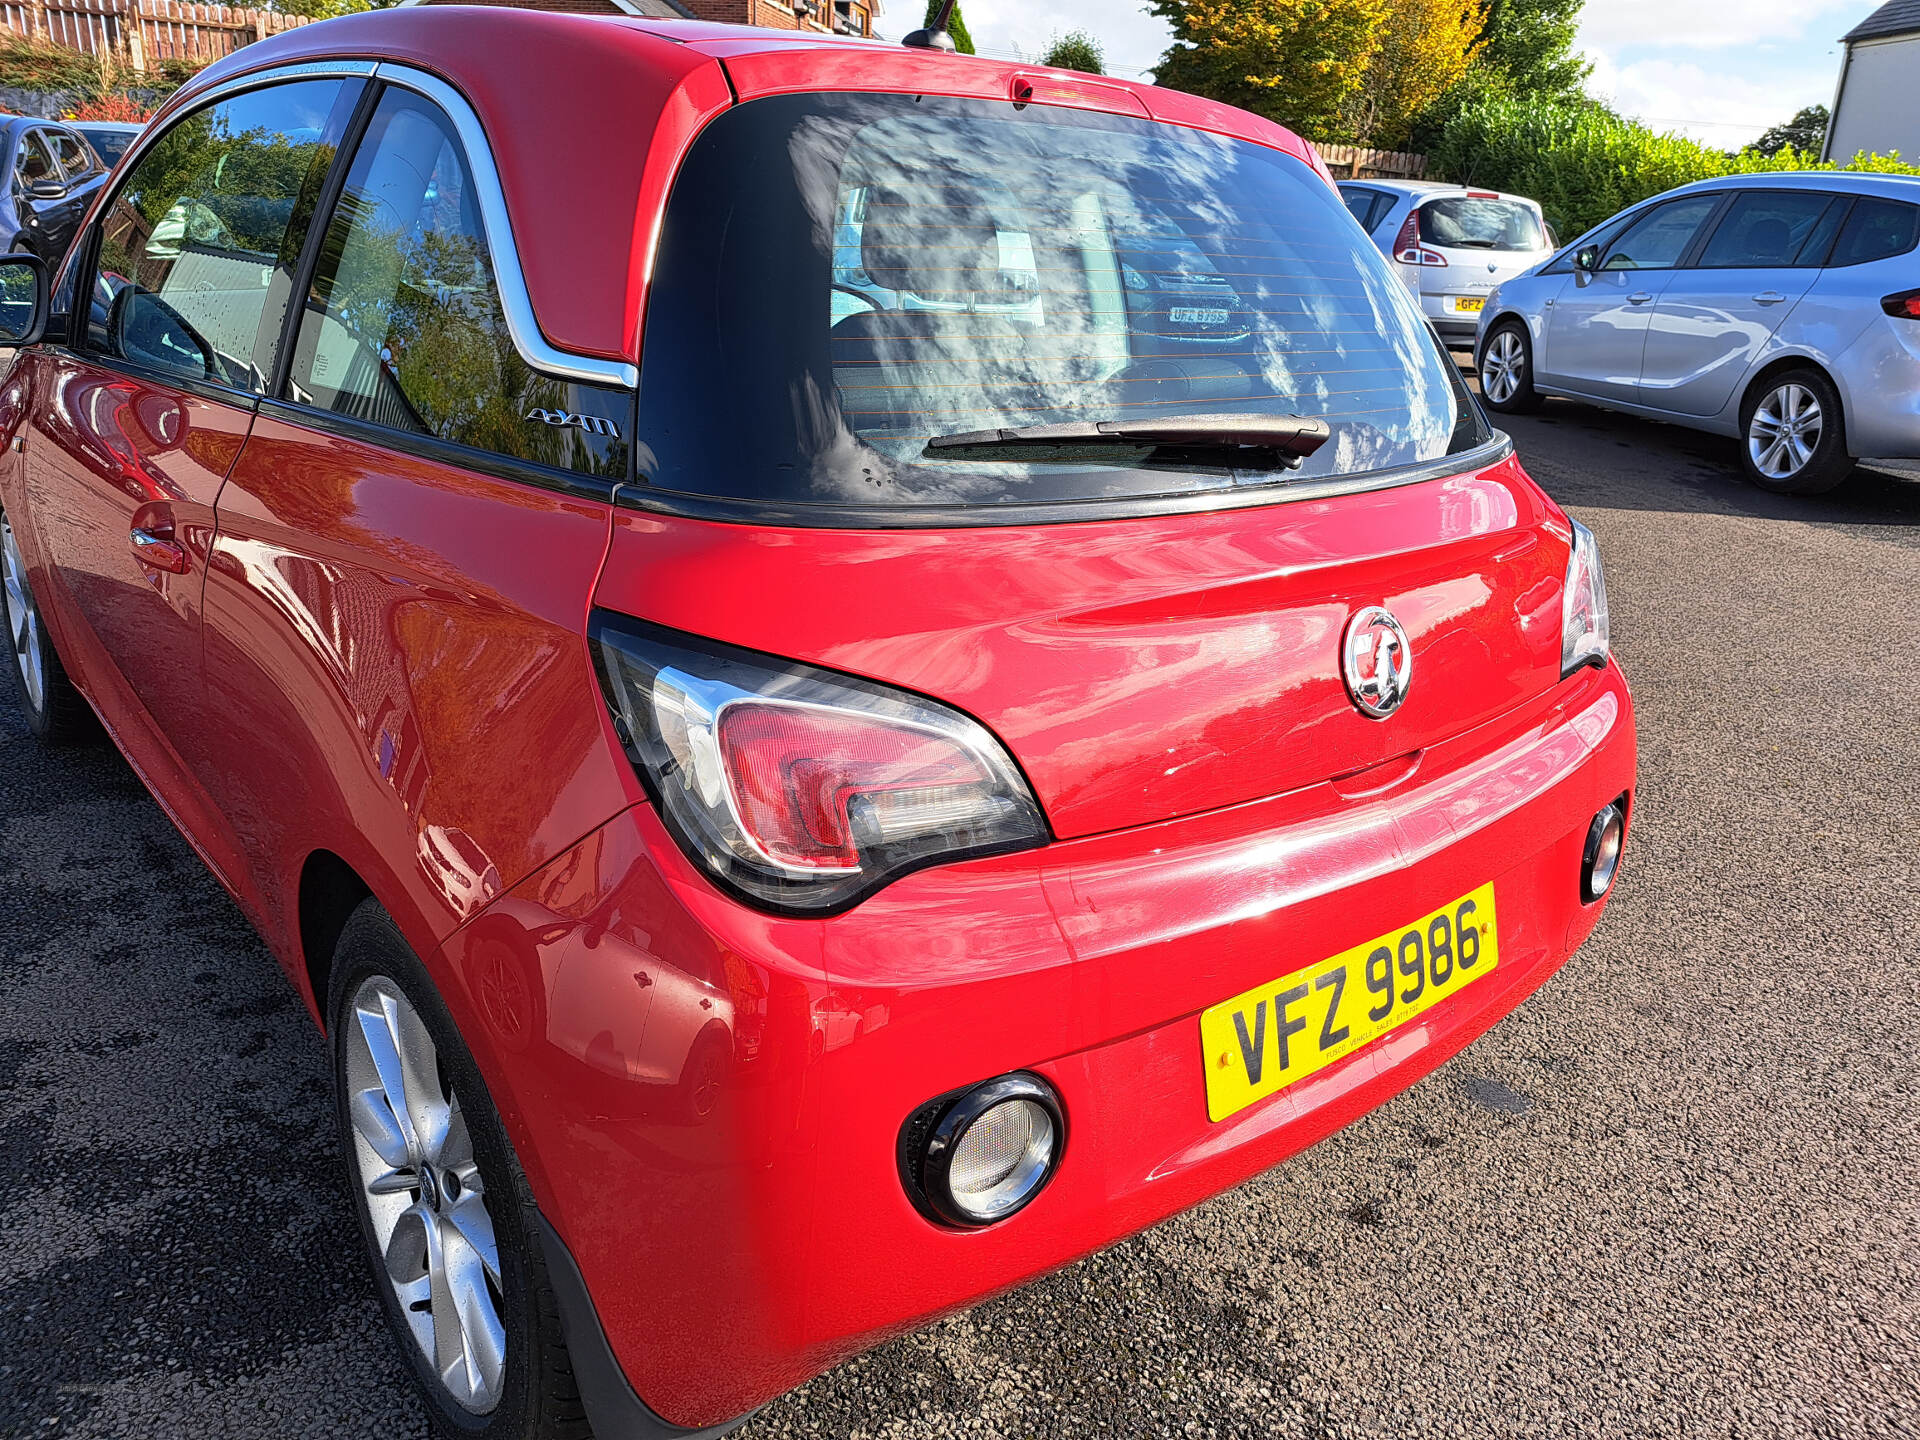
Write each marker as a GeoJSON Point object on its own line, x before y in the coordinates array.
{"type": "Point", "coordinates": [1674, 1195]}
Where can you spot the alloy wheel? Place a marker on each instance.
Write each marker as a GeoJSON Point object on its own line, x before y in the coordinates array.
{"type": "Point", "coordinates": [1502, 366]}
{"type": "Point", "coordinates": [1785, 431]}
{"type": "Point", "coordinates": [23, 617]}
{"type": "Point", "coordinates": [425, 1196]}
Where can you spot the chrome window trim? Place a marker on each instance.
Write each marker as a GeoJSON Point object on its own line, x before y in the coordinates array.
{"type": "Point", "coordinates": [515, 302]}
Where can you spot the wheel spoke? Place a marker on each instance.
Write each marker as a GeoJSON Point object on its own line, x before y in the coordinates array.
{"type": "Point", "coordinates": [470, 1221]}
{"type": "Point", "coordinates": [427, 1104]}
{"type": "Point", "coordinates": [375, 1122]}
{"type": "Point", "coordinates": [376, 1029]}
{"type": "Point", "coordinates": [483, 1337]}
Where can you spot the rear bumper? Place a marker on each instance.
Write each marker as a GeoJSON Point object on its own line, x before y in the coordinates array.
{"type": "Point", "coordinates": [731, 1251]}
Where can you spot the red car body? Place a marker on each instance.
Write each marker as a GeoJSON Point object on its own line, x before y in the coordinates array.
{"type": "Point", "coordinates": [370, 673]}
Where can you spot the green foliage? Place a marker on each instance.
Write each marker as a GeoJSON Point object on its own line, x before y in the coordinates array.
{"type": "Point", "coordinates": [53, 69]}
{"type": "Point", "coordinates": [327, 9]}
{"type": "Point", "coordinates": [1583, 163]}
{"type": "Point", "coordinates": [1527, 48]}
{"type": "Point", "coordinates": [1299, 62]}
{"type": "Point", "coordinates": [1076, 50]}
{"type": "Point", "coordinates": [1807, 131]}
{"type": "Point", "coordinates": [956, 27]}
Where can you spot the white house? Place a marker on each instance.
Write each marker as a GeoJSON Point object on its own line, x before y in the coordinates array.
{"type": "Point", "coordinates": [1876, 105]}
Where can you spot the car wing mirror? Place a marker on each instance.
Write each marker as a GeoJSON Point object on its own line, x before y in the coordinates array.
{"type": "Point", "coordinates": [1587, 258]}
{"type": "Point", "coordinates": [23, 299]}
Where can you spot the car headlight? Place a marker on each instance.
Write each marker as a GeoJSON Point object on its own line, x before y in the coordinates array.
{"type": "Point", "coordinates": [1583, 606]}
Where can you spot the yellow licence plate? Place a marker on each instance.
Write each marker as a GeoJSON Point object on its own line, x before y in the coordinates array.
{"type": "Point", "coordinates": [1259, 1043]}
{"type": "Point", "coordinates": [1469, 303]}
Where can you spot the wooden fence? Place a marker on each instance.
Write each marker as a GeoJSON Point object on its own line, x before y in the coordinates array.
{"type": "Point", "coordinates": [143, 32]}
{"type": "Point", "coordinates": [1356, 162]}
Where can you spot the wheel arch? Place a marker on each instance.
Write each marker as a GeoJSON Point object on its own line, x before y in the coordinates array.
{"type": "Point", "coordinates": [1780, 365]}
{"type": "Point", "coordinates": [330, 890]}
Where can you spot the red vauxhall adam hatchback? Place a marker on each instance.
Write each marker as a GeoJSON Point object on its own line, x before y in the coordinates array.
{"type": "Point", "coordinates": [842, 673]}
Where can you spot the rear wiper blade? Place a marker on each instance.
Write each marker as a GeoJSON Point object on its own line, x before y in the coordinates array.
{"type": "Point", "coordinates": [1290, 437]}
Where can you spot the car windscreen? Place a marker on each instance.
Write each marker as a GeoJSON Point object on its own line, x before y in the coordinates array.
{"type": "Point", "coordinates": [1477, 223]}
{"type": "Point", "coordinates": [842, 278]}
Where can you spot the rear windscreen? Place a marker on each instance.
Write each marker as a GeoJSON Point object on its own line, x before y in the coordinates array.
{"type": "Point", "coordinates": [1473, 223]}
{"type": "Point", "coordinates": [841, 278]}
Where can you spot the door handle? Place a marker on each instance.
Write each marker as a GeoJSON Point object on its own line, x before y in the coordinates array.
{"type": "Point", "coordinates": [160, 551]}
{"type": "Point", "coordinates": [1639, 297]}
{"type": "Point", "coordinates": [1768, 297]}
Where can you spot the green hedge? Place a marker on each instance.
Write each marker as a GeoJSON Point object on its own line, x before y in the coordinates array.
{"type": "Point", "coordinates": [1583, 163]}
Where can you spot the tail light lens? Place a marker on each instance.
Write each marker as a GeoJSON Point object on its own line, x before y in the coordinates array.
{"type": "Point", "coordinates": [1407, 248]}
{"type": "Point", "coordinates": [1584, 629]}
{"type": "Point", "coordinates": [800, 789]}
{"type": "Point", "coordinates": [1905, 305]}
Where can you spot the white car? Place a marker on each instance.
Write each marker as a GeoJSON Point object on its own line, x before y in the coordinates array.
{"type": "Point", "coordinates": [1451, 245]}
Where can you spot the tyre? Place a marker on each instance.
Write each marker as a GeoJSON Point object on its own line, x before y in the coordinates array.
{"type": "Point", "coordinates": [1506, 371]}
{"type": "Point", "coordinates": [444, 1210]}
{"type": "Point", "coordinates": [1793, 438]}
{"type": "Point", "coordinates": [55, 711]}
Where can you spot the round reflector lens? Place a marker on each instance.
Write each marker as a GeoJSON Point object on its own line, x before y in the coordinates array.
{"type": "Point", "coordinates": [1602, 859]}
{"type": "Point", "coordinates": [1001, 1159]}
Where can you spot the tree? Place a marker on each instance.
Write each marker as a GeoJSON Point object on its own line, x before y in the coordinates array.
{"type": "Point", "coordinates": [1527, 48]}
{"type": "Point", "coordinates": [1295, 61]}
{"type": "Point", "coordinates": [1426, 47]}
{"type": "Point", "coordinates": [1806, 132]}
{"type": "Point", "coordinates": [956, 27]}
{"type": "Point", "coordinates": [1076, 50]}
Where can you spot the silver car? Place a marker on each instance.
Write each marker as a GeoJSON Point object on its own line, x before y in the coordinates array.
{"type": "Point", "coordinates": [1450, 245]}
{"type": "Point", "coordinates": [1780, 309]}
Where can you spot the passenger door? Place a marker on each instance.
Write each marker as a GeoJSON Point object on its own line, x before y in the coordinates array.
{"type": "Point", "coordinates": [137, 417]}
{"type": "Point", "coordinates": [1715, 317]}
{"type": "Point", "coordinates": [1597, 329]}
{"type": "Point", "coordinates": [83, 174]}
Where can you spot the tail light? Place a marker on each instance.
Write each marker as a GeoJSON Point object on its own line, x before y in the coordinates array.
{"type": "Point", "coordinates": [1407, 248]}
{"type": "Point", "coordinates": [1905, 305]}
{"type": "Point", "coordinates": [800, 789]}
{"type": "Point", "coordinates": [1585, 633]}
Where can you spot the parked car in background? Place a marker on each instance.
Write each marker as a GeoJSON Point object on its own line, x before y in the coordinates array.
{"type": "Point", "coordinates": [109, 138]}
{"type": "Point", "coordinates": [1450, 245]}
{"type": "Point", "coordinates": [55, 177]}
{"type": "Point", "coordinates": [1781, 309]}
{"type": "Point", "coordinates": [856, 713]}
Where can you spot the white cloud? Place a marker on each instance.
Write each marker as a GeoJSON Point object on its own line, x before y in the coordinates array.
{"type": "Point", "coordinates": [1729, 25]}
{"type": "Point", "coordinates": [1704, 101]}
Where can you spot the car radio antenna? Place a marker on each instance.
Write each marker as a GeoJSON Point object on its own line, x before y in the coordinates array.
{"type": "Point", "coordinates": [935, 36]}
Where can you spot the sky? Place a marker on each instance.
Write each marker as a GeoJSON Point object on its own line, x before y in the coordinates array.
{"type": "Point", "coordinates": [1721, 71]}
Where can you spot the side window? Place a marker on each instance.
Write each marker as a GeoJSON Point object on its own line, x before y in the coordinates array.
{"type": "Point", "coordinates": [199, 243]}
{"type": "Point", "coordinates": [1769, 229]}
{"type": "Point", "coordinates": [1876, 230]}
{"type": "Point", "coordinates": [34, 163]}
{"type": "Point", "coordinates": [1658, 239]}
{"type": "Point", "coordinates": [403, 326]}
{"type": "Point", "coordinates": [72, 153]}
{"type": "Point", "coordinates": [1364, 205]}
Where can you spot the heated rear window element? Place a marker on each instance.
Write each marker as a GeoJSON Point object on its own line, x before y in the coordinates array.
{"type": "Point", "coordinates": [843, 279]}
{"type": "Point", "coordinates": [1471, 222]}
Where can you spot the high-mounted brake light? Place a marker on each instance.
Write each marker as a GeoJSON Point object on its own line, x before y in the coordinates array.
{"type": "Point", "coordinates": [801, 789]}
{"type": "Point", "coordinates": [1483, 194]}
{"type": "Point", "coordinates": [1407, 248]}
{"type": "Point", "coordinates": [1905, 305]}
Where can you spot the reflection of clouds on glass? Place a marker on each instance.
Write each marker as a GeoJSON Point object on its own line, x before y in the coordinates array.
{"type": "Point", "coordinates": [990, 270]}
